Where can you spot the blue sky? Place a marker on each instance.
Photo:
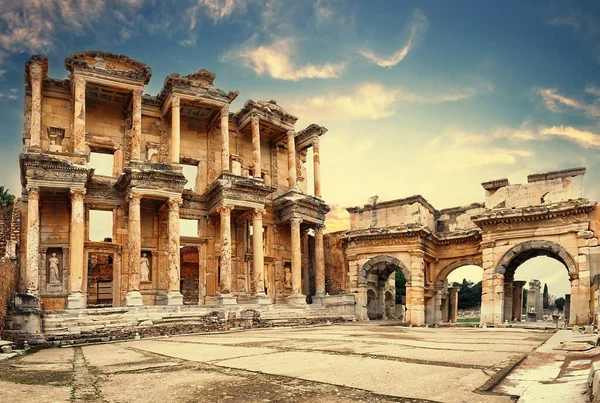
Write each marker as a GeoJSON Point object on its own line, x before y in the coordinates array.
{"type": "Point", "coordinates": [420, 97]}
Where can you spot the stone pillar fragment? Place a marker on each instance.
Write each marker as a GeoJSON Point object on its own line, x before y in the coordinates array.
{"type": "Point", "coordinates": [175, 130]}
{"type": "Point", "coordinates": [33, 240]}
{"type": "Point", "coordinates": [77, 297]}
{"type": "Point", "coordinates": [317, 166]}
{"type": "Point", "coordinates": [174, 296]}
{"type": "Point", "coordinates": [35, 72]}
{"type": "Point", "coordinates": [79, 115]}
{"type": "Point", "coordinates": [296, 297]}
{"type": "Point", "coordinates": [518, 300]}
{"type": "Point", "coordinates": [305, 262]}
{"type": "Point", "coordinates": [319, 264]}
{"type": "Point", "coordinates": [134, 297]}
{"type": "Point", "coordinates": [225, 296]}
{"type": "Point", "coordinates": [225, 165]}
{"type": "Point", "coordinates": [453, 304]}
{"type": "Point", "coordinates": [256, 146]}
{"type": "Point", "coordinates": [508, 301]}
{"type": "Point", "coordinates": [258, 259]}
{"type": "Point", "coordinates": [567, 309]}
{"type": "Point", "coordinates": [415, 294]}
{"type": "Point", "coordinates": [201, 177]}
{"type": "Point", "coordinates": [136, 124]}
{"type": "Point", "coordinates": [291, 144]}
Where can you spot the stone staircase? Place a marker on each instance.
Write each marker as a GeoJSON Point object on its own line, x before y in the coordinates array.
{"type": "Point", "coordinates": [105, 324]}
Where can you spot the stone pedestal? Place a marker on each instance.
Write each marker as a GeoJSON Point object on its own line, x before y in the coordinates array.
{"type": "Point", "coordinates": [296, 299]}
{"type": "Point", "coordinates": [317, 299]}
{"type": "Point", "coordinates": [77, 300]}
{"type": "Point", "coordinates": [226, 299]}
{"type": "Point", "coordinates": [134, 298]}
{"type": "Point", "coordinates": [260, 299]}
{"type": "Point", "coordinates": [174, 298]}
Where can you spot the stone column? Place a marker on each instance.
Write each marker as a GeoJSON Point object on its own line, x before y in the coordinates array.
{"type": "Point", "coordinates": [508, 301]}
{"type": "Point", "coordinates": [79, 115]}
{"type": "Point", "coordinates": [77, 297]}
{"type": "Point", "coordinates": [201, 177]}
{"type": "Point", "coordinates": [305, 262]}
{"type": "Point", "coordinates": [225, 167]}
{"type": "Point", "coordinates": [225, 296]}
{"type": "Point", "coordinates": [35, 72]}
{"type": "Point", "coordinates": [319, 265]}
{"type": "Point", "coordinates": [517, 309]}
{"type": "Point", "coordinates": [136, 124]}
{"type": "Point", "coordinates": [258, 259]}
{"type": "Point", "coordinates": [174, 296]}
{"type": "Point", "coordinates": [291, 144]}
{"type": "Point", "coordinates": [296, 297]}
{"type": "Point", "coordinates": [317, 166]}
{"type": "Point", "coordinates": [33, 240]}
{"type": "Point", "coordinates": [256, 146]}
{"type": "Point", "coordinates": [134, 297]}
{"type": "Point", "coordinates": [175, 130]}
{"type": "Point", "coordinates": [567, 309]}
{"type": "Point", "coordinates": [453, 304]}
{"type": "Point", "coordinates": [415, 300]}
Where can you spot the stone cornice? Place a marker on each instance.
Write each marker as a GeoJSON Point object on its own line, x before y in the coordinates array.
{"type": "Point", "coordinates": [199, 84]}
{"type": "Point", "coordinates": [534, 213]}
{"type": "Point", "coordinates": [397, 202]}
{"type": "Point", "coordinates": [546, 176]}
{"type": "Point", "coordinates": [237, 190]}
{"type": "Point", "coordinates": [421, 232]}
{"type": "Point", "coordinates": [52, 171]}
{"type": "Point", "coordinates": [294, 204]}
{"type": "Point", "coordinates": [306, 136]}
{"type": "Point", "coordinates": [267, 111]}
{"type": "Point", "coordinates": [109, 64]}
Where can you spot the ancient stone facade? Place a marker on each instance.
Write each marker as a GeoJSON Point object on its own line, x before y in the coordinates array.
{"type": "Point", "coordinates": [249, 197]}
{"type": "Point", "coordinates": [547, 216]}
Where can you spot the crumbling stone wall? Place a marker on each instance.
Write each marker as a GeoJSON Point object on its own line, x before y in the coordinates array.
{"type": "Point", "coordinates": [335, 262]}
{"type": "Point", "coordinates": [9, 277]}
{"type": "Point", "coordinates": [5, 220]}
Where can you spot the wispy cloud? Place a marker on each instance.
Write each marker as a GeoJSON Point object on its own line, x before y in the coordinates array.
{"type": "Point", "coordinates": [418, 26]}
{"type": "Point", "coordinates": [584, 138]}
{"type": "Point", "coordinates": [9, 95]}
{"type": "Point", "coordinates": [553, 101]}
{"type": "Point", "coordinates": [276, 61]}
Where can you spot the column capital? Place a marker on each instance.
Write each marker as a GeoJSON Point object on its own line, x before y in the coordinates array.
{"type": "Point", "coordinates": [315, 143]}
{"type": "Point", "coordinates": [174, 203]}
{"type": "Point", "coordinates": [417, 253]}
{"type": "Point", "coordinates": [257, 213]}
{"type": "Point", "coordinates": [225, 209]}
{"type": "Point", "coordinates": [225, 110]}
{"type": "Point", "coordinates": [138, 92]}
{"type": "Point", "coordinates": [175, 102]}
{"type": "Point", "coordinates": [33, 192]}
{"type": "Point", "coordinates": [320, 227]}
{"type": "Point", "coordinates": [255, 119]}
{"type": "Point", "coordinates": [134, 198]}
{"type": "Point", "coordinates": [78, 80]}
{"type": "Point", "coordinates": [295, 222]}
{"type": "Point", "coordinates": [291, 133]}
{"type": "Point", "coordinates": [77, 194]}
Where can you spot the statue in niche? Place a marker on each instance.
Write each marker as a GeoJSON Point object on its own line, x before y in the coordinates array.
{"type": "Point", "coordinates": [287, 272]}
{"type": "Point", "coordinates": [54, 269]}
{"type": "Point", "coordinates": [145, 268]}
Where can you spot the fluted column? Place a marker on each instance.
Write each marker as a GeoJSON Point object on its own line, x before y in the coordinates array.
{"type": "Point", "coordinates": [175, 132]}
{"type": "Point", "coordinates": [453, 304]}
{"type": "Point", "coordinates": [319, 262]}
{"type": "Point", "coordinates": [134, 297]}
{"type": "Point", "coordinates": [296, 297]}
{"type": "Point", "coordinates": [136, 124]}
{"type": "Point", "coordinates": [317, 166]}
{"type": "Point", "coordinates": [256, 146]}
{"type": "Point", "coordinates": [174, 296]}
{"type": "Point", "coordinates": [79, 115]}
{"type": "Point", "coordinates": [33, 240]}
{"type": "Point", "coordinates": [225, 297]}
{"type": "Point", "coordinates": [258, 258]}
{"type": "Point", "coordinates": [291, 143]}
{"type": "Point", "coordinates": [77, 297]}
{"type": "Point", "coordinates": [35, 73]}
{"type": "Point", "coordinates": [225, 139]}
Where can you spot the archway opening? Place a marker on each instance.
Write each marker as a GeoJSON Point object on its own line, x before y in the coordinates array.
{"type": "Point", "coordinates": [540, 285]}
{"type": "Point", "coordinates": [466, 282]}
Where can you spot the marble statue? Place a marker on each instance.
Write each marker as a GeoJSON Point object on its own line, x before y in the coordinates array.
{"type": "Point", "coordinates": [54, 269]}
{"type": "Point", "coordinates": [145, 268]}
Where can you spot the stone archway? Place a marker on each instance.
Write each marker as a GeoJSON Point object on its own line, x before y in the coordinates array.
{"type": "Point", "coordinates": [505, 294]}
{"type": "Point", "coordinates": [384, 266]}
{"type": "Point", "coordinates": [448, 306]}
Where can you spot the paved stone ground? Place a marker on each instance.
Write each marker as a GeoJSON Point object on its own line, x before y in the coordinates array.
{"type": "Point", "coordinates": [366, 362]}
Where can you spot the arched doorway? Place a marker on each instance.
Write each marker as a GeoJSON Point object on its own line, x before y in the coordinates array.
{"type": "Point", "coordinates": [377, 288]}
{"type": "Point", "coordinates": [459, 284]}
{"type": "Point", "coordinates": [503, 290]}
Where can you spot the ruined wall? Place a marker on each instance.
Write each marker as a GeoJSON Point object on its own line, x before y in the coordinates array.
{"type": "Point", "coordinates": [56, 112]}
{"type": "Point", "coordinates": [393, 213]}
{"type": "Point", "coordinates": [335, 262]}
{"type": "Point", "coordinates": [458, 218]}
{"type": "Point", "coordinates": [5, 220]}
{"type": "Point", "coordinates": [9, 277]}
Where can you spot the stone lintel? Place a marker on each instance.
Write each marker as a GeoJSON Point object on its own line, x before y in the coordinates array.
{"type": "Point", "coordinates": [396, 202]}
{"type": "Point", "coordinates": [294, 204]}
{"type": "Point", "coordinates": [565, 173]}
{"type": "Point", "coordinates": [306, 136]}
{"type": "Point", "coordinates": [269, 112]}
{"type": "Point", "coordinates": [495, 184]}
{"type": "Point", "coordinates": [110, 64]}
{"type": "Point", "coordinates": [237, 191]}
{"type": "Point", "coordinates": [46, 171]}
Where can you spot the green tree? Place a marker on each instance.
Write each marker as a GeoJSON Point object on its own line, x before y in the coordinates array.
{"type": "Point", "coordinates": [5, 197]}
{"type": "Point", "coordinates": [559, 303]}
{"type": "Point", "coordinates": [546, 297]}
{"type": "Point", "coordinates": [400, 286]}
{"type": "Point", "coordinates": [469, 295]}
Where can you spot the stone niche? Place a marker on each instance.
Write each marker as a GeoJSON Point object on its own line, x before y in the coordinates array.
{"type": "Point", "coordinates": [146, 259]}
{"type": "Point", "coordinates": [56, 136]}
{"type": "Point", "coordinates": [54, 270]}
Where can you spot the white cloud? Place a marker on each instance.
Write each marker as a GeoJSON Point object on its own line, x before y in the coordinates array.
{"type": "Point", "coordinates": [553, 101]}
{"type": "Point", "coordinates": [584, 138]}
{"type": "Point", "coordinates": [275, 60]}
{"type": "Point", "coordinates": [418, 26]}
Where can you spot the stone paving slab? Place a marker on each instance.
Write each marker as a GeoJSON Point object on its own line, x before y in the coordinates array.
{"type": "Point", "coordinates": [198, 352]}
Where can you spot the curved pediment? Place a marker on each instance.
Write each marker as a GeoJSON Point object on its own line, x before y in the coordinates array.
{"type": "Point", "coordinates": [109, 63]}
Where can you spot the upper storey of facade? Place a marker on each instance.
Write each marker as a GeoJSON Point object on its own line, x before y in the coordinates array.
{"type": "Point", "coordinates": [544, 195]}
{"type": "Point", "coordinates": [241, 158]}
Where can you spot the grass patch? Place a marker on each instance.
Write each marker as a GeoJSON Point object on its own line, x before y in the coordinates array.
{"type": "Point", "coordinates": [467, 320]}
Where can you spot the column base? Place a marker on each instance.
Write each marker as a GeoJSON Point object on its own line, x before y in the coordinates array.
{"type": "Point", "coordinates": [77, 300]}
{"type": "Point", "coordinates": [296, 299]}
{"type": "Point", "coordinates": [318, 299]}
{"type": "Point", "coordinates": [134, 298]}
{"type": "Point", "coordinates": [174, 298]}
{"type": "Point", "coordinates": [261, 299]}
{"type": "Point", "coordinates": [226, 299]}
